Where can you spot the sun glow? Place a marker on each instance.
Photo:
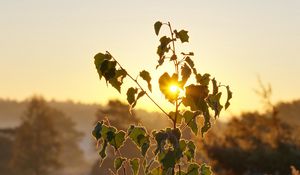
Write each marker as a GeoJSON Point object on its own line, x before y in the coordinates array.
{"type": "Point", "coordinates": [174, 88]}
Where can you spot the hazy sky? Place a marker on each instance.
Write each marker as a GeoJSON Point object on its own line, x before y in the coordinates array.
{"type": "Point", "coordinates": [47, 46]}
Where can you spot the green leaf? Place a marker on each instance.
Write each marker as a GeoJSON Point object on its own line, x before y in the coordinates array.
{"type": "Point", "coordinates": [190, 151]}
{"type": "Point", "coordinates": [156, 171]}
{"type": "Point", "coordinates": [118, 162]}
{"type": "Point", "coordinates": [157, 27]}
{"type": "Point", "coordinates": [185, 73]}
{"type": "Point", "coordinates": [182, 35]}
{"type": "Point", "coordinates": [178, 118]}
{"type": "Point", "coordinates": [97, 130]}
{"type": "Point", "coordinates": [205, 170]}
{"type": "Point", "coordinates": [229, 96]}
{"type": "Point", "coordinates": [193, 169]}
{"type": "Point", "coordinates": [190, 120]}
{"type": "Point", "coordinates": [118, 140]}
{"type": "Point", "coordinates": [139, 136]}
{"type": "Point", "coordinates": [203, 80]}
{"type": "Point", "coordinates": [134, 164]}
{"type": "Point", "coordinates": [146, 76]}
{"type": "Point", "coordinates": [131, 95]}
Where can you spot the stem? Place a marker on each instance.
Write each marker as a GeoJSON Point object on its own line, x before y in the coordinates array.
{"type": "Point", "coordinates": [141, 87]}
{"type": "Point", "coordinates": [179, 169]}
{"type": "Point", "coordinates": [176, 71]}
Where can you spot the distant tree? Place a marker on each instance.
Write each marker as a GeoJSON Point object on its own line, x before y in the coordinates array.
{"type": "Point", "coordinates": [68, 137]}
{"type": "Point", "coordinates": [254, 144]}
{"type": "Point", "coordinates": [37, 146]}
{"type": "Point", "coordinates": [6, 142]}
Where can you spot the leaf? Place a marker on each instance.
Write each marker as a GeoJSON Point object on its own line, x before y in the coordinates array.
{"type": "Point", "coordinates": [157, 27]}
{"type": "Point", "coordinates": [108, 69]}
{"type": "Point", "coordinates": [163, 47]}
{"type": "Point", "coordinates": [97, 130]}
{"type": "Point", "coordinates": [118, 162]}
{"type": "Point", "coordinates": [203, 80]}
{"type": "Point", "coordinates": [229, 96]}
{"type": "Point", "coordinates": [102, 153]}
{"type": "Point", "coordinates": [139, 136]}
{"type": "Point", "coordinates": [165, 81]}
{"type": "Point", "coordinates": [206, 125]}
{"type": "Point", "coordinates": [157, 171]}
{"type": "Point", "coordinates": [214, 103]}
{"type": "Point", "coordinates": [118, 140]}
{"type": "Point", "coordinates": [131, 95]}
{"type": "Point", "coordinates": [182, 35]}
{"type": "Point", "coordinates": [146, 76]}
{"type": "Point", "coordinates": [190, 120]}
{"type": "Point", "coordinates": [190, 151]}
{"type": "Point", "coordinates": [178, 118]}
{"type": "Point", "coordinates": [98, 60]}
{"type": "Point", "coordinates": [215, 86]}
{"type": "Point", "coordinates": [117, 81]}
{"type": "Point", "coordinates": [173, 57]}
{"type": "Point", "coordinates": [193, 169]}
{"type": "Point", "coordinates": [134, 164]}
{"type": "Point", "coordinates": [160, 61]}
{"type": "Point", "coordinates": [205, 170]}
{"type": "Point", "coordinates": [185, 73]}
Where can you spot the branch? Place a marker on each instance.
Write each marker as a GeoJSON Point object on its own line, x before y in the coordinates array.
{"type": "Point", "coordinates": [141, 88]}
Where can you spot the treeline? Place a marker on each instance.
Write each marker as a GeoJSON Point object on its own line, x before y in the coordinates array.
{"type": "Point", "coordinates": [46, 142]}
{"type": "Point", "coordinates": [255, 143]}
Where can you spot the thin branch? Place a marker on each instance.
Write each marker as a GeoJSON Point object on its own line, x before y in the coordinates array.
{"type": "Point", "coordinates": [141, 87]}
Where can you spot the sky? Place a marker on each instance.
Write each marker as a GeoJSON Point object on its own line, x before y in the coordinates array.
{"type": "Point", "coordinates": [47, 47]}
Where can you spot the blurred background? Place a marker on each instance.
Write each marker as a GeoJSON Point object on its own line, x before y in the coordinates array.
{"type": "Point", "coordinates": [50, 93]}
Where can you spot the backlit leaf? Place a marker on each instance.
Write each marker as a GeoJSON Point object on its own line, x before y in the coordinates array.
{"type": "Point", "coordinates": [190, 120]}
{"type": "Point", "coordinates": [185, 73]}
{"type": "Point", "coordinates": [118, 162]}
{"type": "Point", "coordinates": [131, 95]}
{"type": "Point", "coordinates": [193, 169]}
{"type": "Point", "coordinates": [206, 125]}
{"type": "Point", "coordinates": [97, 130]}
{"type": "Point", "coordinates": [118, 140]}
{"type": "Point", "coordinates": [205, 170]}
{"type": "Point", "coordinates": [203, 80]}
{"type": "Point", "coordinates": [165, 81]}
{"type": "Point", "coordinates": [157, 27]}
{"type": "Point", "coordinates": [146, 76]}
{"type": "Point", "coordinates": [229, 96]}
{"type": "Point", "coordinates": [134, 164]}
{"type": "Point", "coordinates": [139, 136]}
{"type": "Point", "coordinates": [182, 35]}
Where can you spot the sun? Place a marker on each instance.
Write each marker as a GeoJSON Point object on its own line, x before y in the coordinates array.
{"type": "Point", "coordinates": [174, 88]}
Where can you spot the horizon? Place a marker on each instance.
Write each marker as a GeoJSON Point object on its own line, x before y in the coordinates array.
{"type": "Point", "coordinates": [52, 53]}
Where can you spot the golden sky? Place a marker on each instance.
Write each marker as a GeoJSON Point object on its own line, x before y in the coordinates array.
{"type": "Point", "coordinates": [47, 47]}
